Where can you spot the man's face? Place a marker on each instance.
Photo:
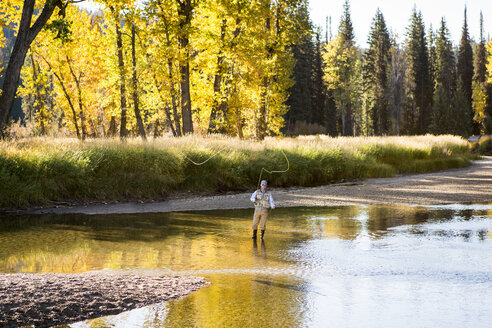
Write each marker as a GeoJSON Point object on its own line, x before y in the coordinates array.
{"type": "Point", "coordinates": [263, 187]}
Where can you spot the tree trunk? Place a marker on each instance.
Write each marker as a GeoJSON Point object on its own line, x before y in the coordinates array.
{"type": "Point", "coordinates": [112, 127]}
{"type": "Point", "coordinates": [217, 104]}
{"type": "Point", "coordinates": [185, 12]}
{"type": "Point", "coordinates": [60, 79]}
{"type": "Point", "coordinates": [25, 36]}
{"type": "Point", "coordinates": [141, 128]}
{"type": "Point", "coordinates": [239, 124]}
{"type": "Point", "coordinates": [261, 119]}
{"type": "Point", "coordinates": [121, 67]}
{"type": "Point", "coordinates": [174, 104]}
{"type": "Point", "coordinates": [157, 132]}
{"type": "Point", "coordinates": [38, 96]}
{"type": "Point", "coordinates": [166, 109]}
{"type": "Point", "coordinates": [79, 94]}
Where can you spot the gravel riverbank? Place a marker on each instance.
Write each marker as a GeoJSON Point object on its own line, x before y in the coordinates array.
{"type": "Point", "coordinates": [48, 299]}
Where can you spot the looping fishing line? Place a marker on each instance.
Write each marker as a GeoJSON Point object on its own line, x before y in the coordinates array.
{"type": "Point", "coordinates": [205, 161]}
{"type": "Point", "coordinates": [262, 169]}
{"type": "Point", "coordinates": [270, 172]}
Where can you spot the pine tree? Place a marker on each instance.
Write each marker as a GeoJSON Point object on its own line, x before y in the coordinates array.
{"type": "Point", "coordinates": [300, 94]}
{"type": "Point", "coordinates": [445, 60]}
{"type": "Point", "coordinates": [419, 90]}
{"type": "Point", "coordinates": [480, 62]}
{"type": "Point", "coordinates": [345, 44]}
{"type": "Point", "coordinates": [376, 70]}
{"type": "Point", "coordinates": [461, 117]}
{"type": "Point", "coordinates": [465, 69]}
{"type": "Point", "coordinates": [482, 91]}
{"type": "Point", "coordinates": [345, 29]}
{"type": "Point", "coordinates": [441, 111]}
{"type": "Point", "coordinates": [397, 86]}
{"type": "Point", "coordinates": [431, 46]}
{"type": "Point", "coordinates": [318, 87]}
{"type": "Point", "coordinates": [444, 116]}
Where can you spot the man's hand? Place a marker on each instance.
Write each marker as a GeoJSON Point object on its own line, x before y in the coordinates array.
{"type": "Point", "coordinates": [273, 207]}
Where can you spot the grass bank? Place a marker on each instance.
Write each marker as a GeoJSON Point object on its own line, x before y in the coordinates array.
{"type": "Point", "coordinates": [38, 171]}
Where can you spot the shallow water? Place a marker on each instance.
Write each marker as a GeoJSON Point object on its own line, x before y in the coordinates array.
{"type": "Point", "coordinates": [366, 266]}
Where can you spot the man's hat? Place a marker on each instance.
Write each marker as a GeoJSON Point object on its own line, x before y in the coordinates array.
{"type": "Point", "coordinates": [264, 182]}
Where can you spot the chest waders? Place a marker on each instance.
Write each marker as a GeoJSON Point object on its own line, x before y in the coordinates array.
{"type": "Point", "coordinates": [262, 204]}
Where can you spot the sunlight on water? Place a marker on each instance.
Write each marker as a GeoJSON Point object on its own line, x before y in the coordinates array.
{"type": "Point", "coordinates": [360, 266]}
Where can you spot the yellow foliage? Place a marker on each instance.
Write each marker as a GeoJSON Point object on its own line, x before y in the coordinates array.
{"type": "Point", "coordinates": [479, 103]}
{"type": "Point", "coordinates": [489, 60]}
{"type": "Point", "coordinates": [240, 66]}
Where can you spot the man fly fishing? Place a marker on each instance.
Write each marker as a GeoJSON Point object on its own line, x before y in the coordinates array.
{"type": "Point", "coordinates": [263, 200]}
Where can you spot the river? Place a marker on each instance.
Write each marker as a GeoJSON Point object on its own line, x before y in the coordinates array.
{"type": "Point", "coordinates": [353, 266]}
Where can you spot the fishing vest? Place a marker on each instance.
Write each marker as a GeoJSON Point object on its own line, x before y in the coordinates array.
{"type": "Point", "coordinates": [262, 200]}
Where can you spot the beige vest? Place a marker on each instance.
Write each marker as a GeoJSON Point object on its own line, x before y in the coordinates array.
{"type": "Point", "coordinates": [262, 200]}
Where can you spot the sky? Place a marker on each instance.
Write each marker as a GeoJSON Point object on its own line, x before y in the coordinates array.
{"type": "Point", "coordinates": [397, 15]}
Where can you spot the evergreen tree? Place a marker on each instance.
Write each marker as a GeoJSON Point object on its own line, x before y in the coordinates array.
{"type": "Point", "coordinates": [441, 109]}
{"type": "Point", "coordinates": [346, 44]}
{"type": "Point", "coordinates": [318, 87]}
{"type": "Point", "coordinates": [418, 79]}
{"type": "Point", "coordinates": [345, 29]}
{"type": "Point", "coordinates": [465, 68]}
{"type": "Point", "coordinates": [445, 60]}
{"type": "Point", "coordinates": [300, 94]}
{"type": "Point", "coordinates": [431, 45]}
{"type": "Point", "coordinates": [376, 70]}
{"type": "Point", "coordinates": [482, 90]}
{"type": "Point", "coordinates": [397, 86]}
{"type": "Point", "coordinates": [450, 109]}
{"type": "Point", "coordinates": [480, 62]}
{"type": "Point", "coordinates": [460, 120]}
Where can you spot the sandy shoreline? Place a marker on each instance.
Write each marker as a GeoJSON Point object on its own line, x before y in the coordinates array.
{"type": "Point", "coordinates": [47, 299]}
{"type": "Point", "coordinates": [464, 185]}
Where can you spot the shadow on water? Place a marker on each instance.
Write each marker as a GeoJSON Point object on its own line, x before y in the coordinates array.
{"type": "Point", "coordinates": [343, 265]}
{"type": "Point", "coordinates": [302, 288]}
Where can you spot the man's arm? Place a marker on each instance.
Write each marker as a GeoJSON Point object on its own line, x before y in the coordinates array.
{"type": "Point", "coordinates": [253, 197]}
{"type": "Point", "coordinates": [272, 204]}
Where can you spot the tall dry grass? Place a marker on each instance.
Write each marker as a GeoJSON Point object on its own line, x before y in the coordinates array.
{"type": "Point", "coordinates": [35, 171]}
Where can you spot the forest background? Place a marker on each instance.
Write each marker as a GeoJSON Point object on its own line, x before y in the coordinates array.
{"type": "Point", "coordinates": [240, 68]}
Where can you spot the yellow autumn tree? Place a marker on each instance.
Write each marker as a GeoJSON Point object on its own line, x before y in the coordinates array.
{"type": "Point", "coordinates": [77, 70]}
{"type": "Point", "coordinates": [489, 61]}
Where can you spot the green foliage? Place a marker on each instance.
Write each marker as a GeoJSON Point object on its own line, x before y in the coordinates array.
{"type": "Point", "coordinates": [480, 61]}
{"type": "Point", "coordinates": [376, 70]}
{"type": "Point", "coordinates": [445, 60]}
{"type": "Point", "coordinates": [465, 62]}
{"type": "Point", "coordinates": [445, 84]}
{"type": "Point", "coordinates": [418, 79]}
{"type": "Point", "coordinates": [345, 29]}
{"type": "Point", "coordinates": [300, 100]}
{"type": "Point", "coordinates": [61, 28]}
{"type": "Point", "coordinates": [465, 75]}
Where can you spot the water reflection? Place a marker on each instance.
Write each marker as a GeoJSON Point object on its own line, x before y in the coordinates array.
{"type": "Point", "coordinates": [353, 266]}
